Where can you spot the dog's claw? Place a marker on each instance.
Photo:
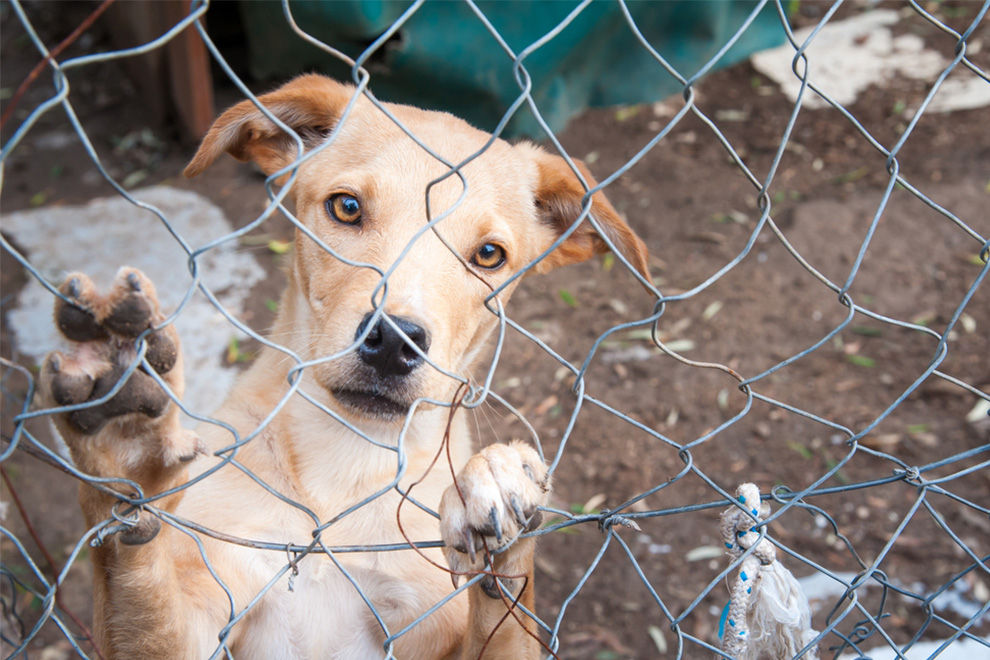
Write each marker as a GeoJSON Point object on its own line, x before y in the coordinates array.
{"type": "Point", "coordinates": [488, 510]}
{"type": "Point", "coordinates": [469, 544]}
{"type": "Point", "coordinates": [517, 511]}
{"type": "Point", "coordinates": [134, 281]}
{"type": "Point", "coordinates": [455, 579]}
{"type": "Point", "coordinates": [535, 521]}
{"type": "Point", "coordinates": [72, 288]}
{"type": "Point", "coordinates": [496, 523]}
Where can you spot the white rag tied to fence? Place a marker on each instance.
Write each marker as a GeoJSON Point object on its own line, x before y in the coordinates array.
{"type": "Point", "coordinates": [767, 615]}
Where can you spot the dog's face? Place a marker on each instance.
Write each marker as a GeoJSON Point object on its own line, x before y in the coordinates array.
{"type": "Point", "coordinates": [365, 197]}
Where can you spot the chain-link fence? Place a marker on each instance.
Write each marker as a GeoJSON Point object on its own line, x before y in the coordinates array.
{"type": "Point", "coordinates": [888, 576]}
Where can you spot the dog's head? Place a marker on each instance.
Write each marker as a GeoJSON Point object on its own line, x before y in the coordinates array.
{"type": "Point", "coordinates": [366, 197]}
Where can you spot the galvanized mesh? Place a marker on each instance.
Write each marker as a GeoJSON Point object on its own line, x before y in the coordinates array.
{"type": "Point", "coordinates": [870, 599]}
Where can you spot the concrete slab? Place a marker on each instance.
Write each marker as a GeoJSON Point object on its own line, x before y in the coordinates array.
{"type": "Point", "coordinates": [823, 592]}
{"type": "Point", "coordinates": [848, 56]}
{"type": "Point", "coordinates": [960, 649]}
{"type": "Point", "coordinates": [105, 234]}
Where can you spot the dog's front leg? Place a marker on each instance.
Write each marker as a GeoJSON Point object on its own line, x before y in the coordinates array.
{"type": "Point", "coordinates": [136, 433]}
{"type": "Point", "coordinates": [133, 435]}
{"type": "Point", "coordinates": [495, 498]}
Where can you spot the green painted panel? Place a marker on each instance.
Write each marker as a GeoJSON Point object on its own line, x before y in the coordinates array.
{"type": "Point", "coordinates": [443, 57]}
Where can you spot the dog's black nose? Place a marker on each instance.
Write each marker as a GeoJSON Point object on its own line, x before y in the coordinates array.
{"type": "Point", "coordinates": [386, 350]}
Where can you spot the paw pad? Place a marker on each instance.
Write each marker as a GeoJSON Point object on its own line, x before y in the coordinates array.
{"type": "Point", "coordinates": [147, 528]}
{"type": "Point", "coordinates": [74, 320]}
{"type": "Point", "coordinates": [131, 305]}
{"type": "Point", "coordinates": [68, 387]}
{"type": "Point", "coordinates": [104, 329]}
{"type": "Point", "coordinates": [139, 394]}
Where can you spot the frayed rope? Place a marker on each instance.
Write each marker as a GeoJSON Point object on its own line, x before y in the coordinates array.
{"type": "Point", "coordinates": [767, 615]}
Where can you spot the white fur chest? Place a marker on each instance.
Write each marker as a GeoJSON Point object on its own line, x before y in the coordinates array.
{"type": "Point", "coordinates": [339, 607]}
{"type": "Point", "coordinates": [327, 612]}
{"type": "Point", "coordinates": [315, 613]}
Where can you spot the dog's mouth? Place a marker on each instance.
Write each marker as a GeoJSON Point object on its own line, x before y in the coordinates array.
{"type": "Point", "coordinates": [371, 403]}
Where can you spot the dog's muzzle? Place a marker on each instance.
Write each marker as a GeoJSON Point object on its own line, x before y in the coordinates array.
{"type": "Point", "coordinates": [380, 384]}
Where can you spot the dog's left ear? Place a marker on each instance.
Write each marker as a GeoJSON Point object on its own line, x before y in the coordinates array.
{"type": "Point", "coordinates": [559, 196]}
{"type": "Point", "coordinates": [310, 105]}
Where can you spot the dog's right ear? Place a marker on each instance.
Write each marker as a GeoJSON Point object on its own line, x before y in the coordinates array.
{"type": "Point", "coordinates": [559, 197]}
{"type": "Point", "coordinates": [310, 105]}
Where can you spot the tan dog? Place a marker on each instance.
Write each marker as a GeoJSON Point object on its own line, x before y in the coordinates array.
{"type": "Point", "coordinates": [158, 594]}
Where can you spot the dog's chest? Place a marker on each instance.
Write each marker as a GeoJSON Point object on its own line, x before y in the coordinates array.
{"type": "Point", "coordinates": [318, 612]}
{"type": "Point", "coordinates": [323, 607]}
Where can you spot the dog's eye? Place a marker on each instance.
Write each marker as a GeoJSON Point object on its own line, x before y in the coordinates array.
{"type": "Point", "coordinates": [344, 208]}
{"type": "Point", "coordinates": [489, 256]}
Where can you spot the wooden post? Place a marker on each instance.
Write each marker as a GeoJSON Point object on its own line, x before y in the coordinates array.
{"type": "Point", "coordinates": [175, 80]}
{"type": "Point", "coordinates": [190, 82]}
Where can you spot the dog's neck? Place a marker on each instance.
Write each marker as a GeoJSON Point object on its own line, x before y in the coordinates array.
{"type": "Point", "coordinates": [369, 459]}
{"type": "Point", "coordinates": [317, 447]}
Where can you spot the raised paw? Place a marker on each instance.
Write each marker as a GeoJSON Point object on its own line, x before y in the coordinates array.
{"type": "Point", "coordinates": [495, 498]}
{"type": "Point", "coordinates": [104, 329]}
{"type": "Point", "coordinates": [129, 309]}
{"type": "Point", "coordinates": [75, 380]}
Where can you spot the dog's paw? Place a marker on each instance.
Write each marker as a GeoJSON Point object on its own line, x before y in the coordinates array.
{"type": "Point", "coordinates": [103, 329]}
{"type": "Point", "coordinates": [495, 498]}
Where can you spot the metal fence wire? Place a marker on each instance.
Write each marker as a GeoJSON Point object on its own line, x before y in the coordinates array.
{"type": "Point", "coordinates": [871, 606]}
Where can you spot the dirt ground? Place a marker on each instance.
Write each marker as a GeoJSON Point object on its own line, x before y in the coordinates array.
{"type": "Point", "coordinates": [696, 211]}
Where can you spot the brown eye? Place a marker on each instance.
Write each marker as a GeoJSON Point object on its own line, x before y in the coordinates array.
{"type": "Point", "coordinates": [489, 256]}
{"type": "Point", "coordinates": [344, 208]}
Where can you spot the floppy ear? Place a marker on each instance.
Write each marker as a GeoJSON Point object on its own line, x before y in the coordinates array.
{"type": "Point", "coordinates": [558, 201]}
{"type": "Point", "coordinates": [310, 105]}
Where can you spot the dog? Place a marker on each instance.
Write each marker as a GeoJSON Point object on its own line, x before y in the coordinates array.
{"type": "Point", "coordinates": [301, 450]}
